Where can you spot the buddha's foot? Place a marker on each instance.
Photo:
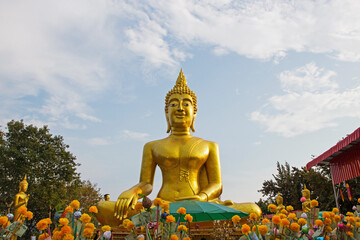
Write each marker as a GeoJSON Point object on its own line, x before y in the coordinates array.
{"type": "Point", "coordinates": [244, 207]}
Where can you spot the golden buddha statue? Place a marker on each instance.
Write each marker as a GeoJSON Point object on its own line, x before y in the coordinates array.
{"type": "Point", "coordinates": [306, 207]}
{"type": "Point", "coordinates": [21, 198]}
{"type": "Point", "coordinates": [190, 166]}
{"type": "Point", "coordinates": [279, 202]}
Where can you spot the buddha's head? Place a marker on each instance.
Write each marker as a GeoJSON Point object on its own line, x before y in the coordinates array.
{"type": "Point", "coordinates": [180, 105]}
{"type": "Point", "coordinates": [23, 185]}
{"type": "Point", "coordinates": [279, 199]}
{"type": "Point", "coordinates": [107, 197]}
{"type": "Point", "coordinates": [306, 192]}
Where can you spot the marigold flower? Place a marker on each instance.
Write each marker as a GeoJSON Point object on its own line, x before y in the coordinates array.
{"type": "Point", "coordinates": [22, 210]}
{"type": "Point", "coordinates": [85, 218]}
{"type": "Point", "coordinates": [157, 202]}
{"type": "Point", "coordinates": [48, 221]}
{"type": "Point", "coordinates": [357, 219]}
{"type": "Point", "coordinates": [350, 214]}
{"type": "Point", "coordinates": [263, 229]}
{"type": "Point", "coordinates": [235, 219]}
{"type": "Point", "coordinates": [349, 234]}
{"type": "Point", "coordinates": [335, 210]}
{"type": "Point", "coordinates": [69, 209]}
{"type": "Point", "coordinates": [332, 215]}
{"type": "Point", "coordinates": [174, 237]}
{"type": "Point", "coordinates": [130, 226]}
{"type": "Point", "coordinates": [90, 225]}
{"type": "Point", "coordinates": [43, 236]}
{"type": "Point", "coordinates": [188, 218]}
{"type": "Point", "coordinates": [245, 229]}
{"type": "Point", "coordinates": [281, 215]}
{"type": "Point", "coordinates": [284, 211]}
{"type": "Point", "coordinates": [327, 221]}
{"type": "Point", "coordinates": [29, 215]}
{"type": "Point", "coordinates": [314, 203]}
{"type": "Point", "coordinates": [3, 220]}
{"type": "Point", "coordinates": [351, 220]}
{"type": "Point", "coordinates": [357, 224]}
{"type": "Point", "coordinates": [42, 225]}
{"type": "Point", "coordinates": [170, 219]}
{"type": "Point", "coordinates": [272, 208]}
{"type": "Point", "coordinates": [138, 206]}
{"type": "Point", "coordinates": [328, 229]}
{"type": "Point", "coordinates": [295, 227]}
{"type": "Point", "coordinates": [125, 223]}
{"type": "Point", "coordinates": [165, 206]}
{"type": "Point", "coordinates": [253, 216]}
{"type": "Point", "coordinates": [57, 235]}
{"type": "Point", "coordinates": [284, 222]}
{"type": "Point", "coordinates": [63, 221]}
{"type": "Point", "coordinates": [68, 237]}
{"type": "Point", "coordinates": [319, 223]}
{"type": "Point", "coordinates": [105, 228]}
{"type": "Point", "coordinates": [326, 215]}
{"type": "Point", "coordinates": [276, 219]}
{"type": "Point", "coordinates": [186, 238]}
{"type": "Point", "coordinates": [265, 220]}
{"type": "Point", "coordinates": [88, 232]}
{"type": "Point", "coordinates": [302, 221]}
{"type": "Point", "coordinates": [292, 216]}
{"type": "Point", "coordinates": [289, 208]}
{"type": "Point", "coordinates": [253, 228]}
{"type": "Point", "coordinates": [337, 218]}
{"type": "Point", "coordinates": [93, 209]}
{"type": "Point", "coordinates": [65, 230]}
{"type": "Point", "coordinates": [181, 211]}
{"type": "Point", "coordinates": [182, 228]}
{"type": "Point", "coordinates": [75, 204]}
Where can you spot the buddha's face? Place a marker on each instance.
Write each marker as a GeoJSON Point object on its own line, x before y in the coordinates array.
{"type": "Point", "coordinates": [180, 110]}
{"type": "Point", "coordinates": [107, 197]}
{"type": "Point", "coordinates": [279, 200]}
{"type": "Point", "coordinates": [23, 187]}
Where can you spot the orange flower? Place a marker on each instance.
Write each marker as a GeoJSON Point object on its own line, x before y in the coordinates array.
{"type": "Point", "coordinates": [85, 218]}
{"type": "Point", "coordinates": [88, 232]}
{"type": "Point", "coordinates": [289, 208]}
{"type": "Point", "coordinates": [284, 222]}
{"type": "Point", "coordinates": [265, 220]}
{"type": "Point", "coordinates": [29, 215]}
{"type": "Point", "coordinates": [276, 219]}
{"type": "Point", "coordinates": [188, 218]}
{"type": "Point", "coordinates": [350, 214]}
{"type": "Point", "coordinates": [326, 215]}
{"type": "Point", "coordinates": [93, 209]}
{"type": "Point", "coordinates": [295, 227]}
{"type": "Point", "coordinates": [319, 223]}
{"type": "Point", "coordinates": [65, 230]}
{"type": "Point", "coordinates": [170, 219]}
{"type": "Point", "coordinates": [130, 226]}
{"type": "Point", "coordinates": [43, 236]}
{"type": "Point", "coordinates": [69, 209]}
{"type": "Point", "coordinates": [90, 225]}
{"type": "Point", "coordinates": [182, 228]}
{"type": "Point", "coordinates": [125, 223]}
{"type": "Point", "coordinates": [3, 220]}
{"type": "Point", "coordinates": [165, 206]}
{"type": "Point", "coordinates": [337, 218]}
{"type": "Point", "coordinates": [235, 219]}
{"type": "Point", "coordinates": [263, 229]}
{"type": "Point", "coordinates": [48, 221]}
{"type": "Point", "coordinates": [335, 210]}
{"type": "Point", "coordinates": [302, 221]}
{"type": "Point", "coordinates": [181, 211]}
{"type": "Point", "coordinates": [105, 228]}
{"type": "Point", "coordinates": [272, 208]}
{"type": "Point", "coordinates": [292, 216]}
{"type": "Point", "coordinates": [281, 215]}
{"type": "Point", "coordinates": [22, 210]}
{"type": "Point", "coordinates": [63, 221]}
{"type": "Point", "coordinates": [253, 216]}
{"type": "Point", "coordinates": [75, 204]}
{"type": "Point", "coordinates": [174, 237]}
{"type": "Point", "coordinates": [138, 206]}
{"type": "Point", "coordinates": [186, 238]}
{"type": "Point", "coordinates": [284, 211]}
{"type": "Point", "coordinates": [349, 234]}
{"type": "Point", "coordinates": [314, 203]}
{"type": "Point", "coordinates": [42, 225]}
{"type": "Point", "coordinates": [56, 235]}
{"type": "Point", "coordinates": [157, 202]}
{"type": "Point", "coordinates": [68, 237]}
{"type": "Point", "coordinates": [327, 221]}
{"type": "Point", "coordinates": [351, 219]}
{"type": "Point", "coordinates": [245, 229]}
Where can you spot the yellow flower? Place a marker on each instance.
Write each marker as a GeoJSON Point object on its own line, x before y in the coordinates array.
{"type": "Point", "coordinates": [292, 216]}
{"type": "Point", "coordinates": [125, 223]}
{"type": "Point", "coordinates": [235, 219]}
{"type": "Point", "coordinates": [328, 229]}
{"type": "Point", "coordinates": [272, 208]}
{"type": "Point", "coordinates": [337, 218]}
{"type": "Point", "coordinates": [65, 230]}
{"type": "Point", "coordinates": [85, 218]}
{"type": "Point", "coordinates": [351, 219]}
{"type": "Point", "coordinates": [157, 202]}
{"type": "Point", "coordinates": [295, 227]}
{"type": "Point", "coordinates": [165, 206]}
{"type": "Point", "coordinates": [327, 221]}
{"type": "Point", "coordinates": [181, 211]}
{"type": "Point", "coordinates": [326, 215]}
{"type": "Point", "coordinates": [276, 219]}
{"type": "Point", "coordinates": [43, 236]}
{"type": "Point", "coordinates": [68, 237]}
{"type": "Point", "coordinates": [130, 226]}
{"type": "Point", "coordinates": [335, 210]}
{"type": "Point", "coordinates": [302, 221]}
{"type": "Point", "coordinates": [22, 210]}
{"type": "Point", "coordinates": [357, 224]}
{"type": "Point", "coordinates": [138, 206]}
{"type": "Point", "coordinates": [188, 218]}
{"type": "Point", "coordinates": [314, 203]}
{"type": "Point", "coordinates": [56, 235]}
{"type": "Point", "coordinates": [69, 209]}
{"type": "Point", "coordinates": [281, 215]}
{"type": "Point", "coordinates": [289, 208]}
{"type": "Point", "coordinates": [63, 221]}
{"type": "Point", "coordinates": [284, 211]}
{"type": "Point", "coordinates": [265, 220]}
{"type": "Point", "coordinates": [3, 220]}
{"type": "Point", "coordinates": [263, 229]}
{"type": "Point", "coordinates": [350, 214]}
{"type": "Point", "coordinates": [88, 232]}
{"type": "Point", "coordinates": [182, 228]}
{"type": "Point", "coordinates": [48, 220]}
{"type": "Point", "coordinates": [253, 216]}
{"type": "Point", "coordinates": [75, 204]}
{"type": "Point", "coordinates": [42, 224]}
{"type": "Point", "coordinates": [29, 215]}
{"type": "Point", "coordinates": [186, 238]}
{"type": "Point", "coordinates": [319, 223]}
{"type": "Point", "coordinates": [93, 209]}
{"type": "Point", "coordinates": [284, 222]}
{"type": "Point", "coordinates": [170, 219]}
{"type": "Point", "coordinates": [90, 225]}
{"type": "Point", "coordinates": [349, 234]}
{"type": "Point", "coordinates": [245, 229]}
{"type": "Point", "coordinates": [174, 237]}
{"type": "Point", "coordinates": [105, 228]}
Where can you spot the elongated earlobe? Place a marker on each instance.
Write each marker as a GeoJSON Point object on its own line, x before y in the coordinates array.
{"type": "Point", "coordinates": [168, 124]}
{"type": "Point", "coordinates": [192, 124]}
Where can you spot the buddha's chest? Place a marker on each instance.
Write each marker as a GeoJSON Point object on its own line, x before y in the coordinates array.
{"type": "Point", "coordinates": [184, 154]}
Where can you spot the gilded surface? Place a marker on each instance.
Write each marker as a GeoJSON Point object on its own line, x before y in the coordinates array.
{"type": "Point", "coordinates": [21, 199]}
{"type": "Point", "coordinates": [280, 205]}
{"type": "Point", "coordinates": [190, 166]}
{"type": "Point", "coordinates": [306, 207]}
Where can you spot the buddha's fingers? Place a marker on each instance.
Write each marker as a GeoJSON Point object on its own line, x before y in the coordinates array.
{"type": "Point", "coordinates": [121, 208]}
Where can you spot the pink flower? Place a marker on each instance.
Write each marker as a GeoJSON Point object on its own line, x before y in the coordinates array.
{"type": "Point", "coordinates": [311, 232]}
{"type": "Point", "coordinates": [303, 199]}
{"type": "Point", "coordinates": [276, 231]}
{"type": "Point", "coordinates": [341, 225]}
{"type": "Point", "coordinates": [354, 208]}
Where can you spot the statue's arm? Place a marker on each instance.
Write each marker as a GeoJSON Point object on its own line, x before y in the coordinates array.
{"type": "Point", "coordinates": [214, 188]}
{"type": "Point", "coordinates": [130, 197]}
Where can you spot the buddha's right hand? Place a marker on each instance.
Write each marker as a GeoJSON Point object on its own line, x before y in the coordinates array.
{"type": "Point", "coordinates": [126, 199]}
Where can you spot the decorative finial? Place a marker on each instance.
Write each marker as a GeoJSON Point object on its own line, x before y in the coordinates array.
{"type": "Point", "coordinates": [181, 80]}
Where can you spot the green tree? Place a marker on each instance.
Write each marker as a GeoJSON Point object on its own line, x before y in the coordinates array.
{"type": "Point", "coordinates": [49, 166]}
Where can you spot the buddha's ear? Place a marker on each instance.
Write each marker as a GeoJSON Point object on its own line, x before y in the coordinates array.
{"type": "Point", "coordinates": [192, 124]}
{"type": "Point", "coordinates": [168, 124]}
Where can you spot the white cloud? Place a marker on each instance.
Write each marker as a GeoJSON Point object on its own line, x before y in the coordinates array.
{"type": "Point", "coordinates": [98, 142]}
{"type": "Point", "coordinates": [135, 135]}
{"type": "Point", "coordinates": [311, 101]}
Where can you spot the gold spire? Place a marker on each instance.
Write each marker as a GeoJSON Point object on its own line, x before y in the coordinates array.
{"type": "Point", "coordinates": [181, 80]}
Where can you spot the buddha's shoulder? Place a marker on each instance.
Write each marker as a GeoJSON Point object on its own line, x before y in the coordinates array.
{"type": "Point", "coordinates": [195, 140]}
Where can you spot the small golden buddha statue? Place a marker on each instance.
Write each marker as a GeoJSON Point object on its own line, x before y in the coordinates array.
{"type": "Point", "coordinates": [279, 202]}
{"type": "Point", "coordinates": [107, 197]}
{"type": "Point", "coordinates": [190, 165]}
{"type": "Point", "coordinates": [21, 198]}
{"type": "Point", "coordinates": [306, 207]}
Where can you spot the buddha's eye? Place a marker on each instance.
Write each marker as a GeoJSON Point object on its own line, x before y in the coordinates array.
{"type": "Point", "coordinates": [173, 104]}
{"type": "Point", "coordinates": [186, 104]}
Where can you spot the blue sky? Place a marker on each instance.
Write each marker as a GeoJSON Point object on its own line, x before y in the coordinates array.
{"type": "Point", "coordinates": [275, 80]}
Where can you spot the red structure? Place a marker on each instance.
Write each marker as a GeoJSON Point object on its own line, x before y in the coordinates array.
{"type": "Point", "coordinates": [343, 159]}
